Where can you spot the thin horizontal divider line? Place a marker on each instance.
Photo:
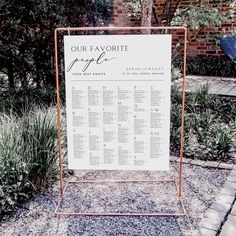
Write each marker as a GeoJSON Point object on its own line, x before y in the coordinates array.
{"type": "Point", "coordinates": [120, 181]}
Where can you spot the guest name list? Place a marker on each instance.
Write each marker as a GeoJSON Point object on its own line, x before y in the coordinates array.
{"type": "Point", "coordinates": [118, 101]}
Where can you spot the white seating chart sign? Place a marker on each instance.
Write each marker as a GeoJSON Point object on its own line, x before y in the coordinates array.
{"type": "Point", "coordinates": [118, 101]}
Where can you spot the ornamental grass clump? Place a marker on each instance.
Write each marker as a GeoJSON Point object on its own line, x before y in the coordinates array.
{"type": "Point", "coordinates": [28, 151]}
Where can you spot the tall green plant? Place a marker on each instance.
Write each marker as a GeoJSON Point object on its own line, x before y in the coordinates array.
{"type": "Point", "coordinates": [39, 133]}
{"type": "Point", "coordinates": [28, 151]}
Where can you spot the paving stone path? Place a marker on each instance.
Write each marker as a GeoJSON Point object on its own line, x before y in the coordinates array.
{"type": "Point", "coordinates": [217, 85]}
{"type": "Point", "coordinates": [229, 228]}
{"type": "Point", "coordinates": [220, 218]}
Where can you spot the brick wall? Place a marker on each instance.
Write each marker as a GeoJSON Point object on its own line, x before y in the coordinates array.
{"type": "Point", "coordinates": [201, 45]}
{"type": "Point", "coordinates": [119, 17]}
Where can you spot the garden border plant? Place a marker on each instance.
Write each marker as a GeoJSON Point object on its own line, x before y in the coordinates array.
{"type": "Point", "coordinates": [202, 65]}
{"type": "Point", "coordinates": [28, 152]}
{"type": "Point", "coordinates": [210, 125]}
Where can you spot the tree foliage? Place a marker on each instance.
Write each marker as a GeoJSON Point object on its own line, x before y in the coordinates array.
{"type": "Point", "coordinates": [140, 9]}
{"type": "Point", "coordinates": [192, 16]}
{"type": "Point", "coordinates": [26, 36]}
{"type": "Point", "coordinates": [197, 17]}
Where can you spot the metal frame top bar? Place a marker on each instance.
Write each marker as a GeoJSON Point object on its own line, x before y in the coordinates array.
{"type": "Point", "coordinates": [120, 28]}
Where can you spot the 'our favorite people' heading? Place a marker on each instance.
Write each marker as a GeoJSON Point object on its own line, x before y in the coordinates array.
{"type": "Point", "coordinates": [101, 48]}
{"type": "Point", "coordinates": [99, 58]}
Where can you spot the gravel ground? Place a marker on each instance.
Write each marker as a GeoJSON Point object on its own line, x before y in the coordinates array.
{"type": "Point", "coordinates": [200, 187]}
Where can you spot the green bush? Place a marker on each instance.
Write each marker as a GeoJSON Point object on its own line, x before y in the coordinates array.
{"type": "Point", "coordinates": [28, 151]}
{"type": "Point", "coordinates": [210, 139]}
{"type": "Point", "coordinates": [209, 125]}
{"type": "Point", "coordinates": [201, 65]}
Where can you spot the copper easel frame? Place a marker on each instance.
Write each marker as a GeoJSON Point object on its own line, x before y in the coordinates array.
{"type": "Point", "coordinates": [178, 183]}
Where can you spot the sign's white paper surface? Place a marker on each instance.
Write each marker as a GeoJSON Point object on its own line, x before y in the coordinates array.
{"type": "Point", "coordinates": [118, 101]}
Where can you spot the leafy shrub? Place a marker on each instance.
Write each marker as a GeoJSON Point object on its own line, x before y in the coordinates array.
{"type": "Point", "coordinates": [213, 143]}
{"type": "Point", "coordinates": [202, 65]}
{"type": "Point", "coordinates": [225, 109]}
{"type": "Point", "coordinates": [209, 125]}
{"type": "Point", "coordinates": [28, 151]}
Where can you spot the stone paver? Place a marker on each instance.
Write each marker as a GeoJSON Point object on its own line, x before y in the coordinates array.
{"type": "Point", "coordinates": [212, 213]}
{"type": "Point", "coordinates": [232, 92]}
{"type": "Point", "coordinates": [230, 185]}
{"type": "Point", "coordinates": [212, 224]}
{"type": "Point", "coordinates": [207, 232]}
{"type": "Point", "coordinates": [214, 164]}
{"type": "Point", "coordinates": [226, 88]}
{"type": "Point", "coordinates": [197, 162]}
{"type": "Point", "coordinates": [233, 172]}
{"type": "Point", "coordinates": [227, 191]}
{"type": "Point", "coordinates": [186, 160]}
{"type": "Point", "coordinates": [173, 158]}
{"type": "Point", "coordinates": [226, 166]}
{"type": "Point", "coordinates": [195, 233]}
{"type": "Point", "coordinates": [220, 206]}
{"type": "Point", "coordinates": [233, 211]}
{"type": "Point", "coordinates": [214, 87]}
{"type": "Point", "coordinates": [231, 178]}
{"type": "Point", "coordinates": [225, 198]}
{"type": "Point", "coordinates": [229, 228]}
